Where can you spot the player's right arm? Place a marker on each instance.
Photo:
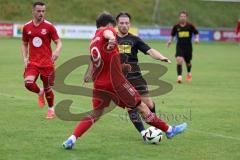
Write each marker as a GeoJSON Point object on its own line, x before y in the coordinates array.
{"type": "Point", "coordinates": [88, 74]}
{"type": "Point", "coordinates": [24, 47]}
{"type": "Point", "coordinates": [25, 53]}
{"type": "Point", "coordinates": [173, 33]}
{"type": "Point", "coordinates": [169, 42]}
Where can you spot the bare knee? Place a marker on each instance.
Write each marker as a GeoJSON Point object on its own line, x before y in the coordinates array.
{"type": "Point", "coordinates": [148, 101]}
{"type": "Point", "coordinates": [143, 109]}
{"type": "Point", "coordinates": [179, 60]}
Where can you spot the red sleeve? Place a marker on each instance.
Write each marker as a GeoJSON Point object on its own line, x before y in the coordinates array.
{"type": "Point", "coordinates": [24, 35]}
{"type": "Point", "coordinates": [53, 33]}
{"type": "Point", "coordinates": [238, 27]}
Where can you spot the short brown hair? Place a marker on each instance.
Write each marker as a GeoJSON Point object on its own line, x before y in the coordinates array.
{"type": "Point", "coordinates": [183, 12]}
{"type": "Point", "coordinates": [38, 3]}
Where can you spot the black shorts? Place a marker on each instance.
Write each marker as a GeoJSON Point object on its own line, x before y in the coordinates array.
{"type": "Point", "coordinates": [184, 51]}
{"type": "Point", "coordinates": [139, 83]}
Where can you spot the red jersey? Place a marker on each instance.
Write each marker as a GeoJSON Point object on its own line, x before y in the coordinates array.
{"type": "Point", "coordinates": [238, 27]}
{"type": "Point", "coordinates": [107, 69]}
{"type": "Point", "coordinates": [39, 40]}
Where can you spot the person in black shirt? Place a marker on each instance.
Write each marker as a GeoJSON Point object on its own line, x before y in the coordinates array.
{"type": "Point", "coordinates": [129, 45]}
{"type": "Point", "coordinates": [183, 31]}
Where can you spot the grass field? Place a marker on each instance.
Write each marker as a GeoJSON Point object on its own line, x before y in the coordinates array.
{"type": "Point", "coordinates": [210, 106]}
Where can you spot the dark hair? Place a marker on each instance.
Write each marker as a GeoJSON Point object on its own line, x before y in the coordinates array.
{"type": "Point", "coordinates": [38, 3]}
{"type": "Point", "coordinates": [104, 19]}
{"type": "Point", "coordinates": [183, 12]}
{"type": "Point", "coordinates": [123, 14]}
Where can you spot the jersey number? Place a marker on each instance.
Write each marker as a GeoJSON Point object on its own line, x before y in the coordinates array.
{"type": "Point", "coordinates": [96, 56]}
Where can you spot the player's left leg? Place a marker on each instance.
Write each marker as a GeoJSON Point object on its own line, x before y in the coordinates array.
{"type": "Point", "coordinates": [140, 85]}
{"type": "Point", "coordinates": [137, 121]}
{"type": "Point", "coordinates": [187, 59]}
{"type": "Point", "coordinates": [189, 74]}
{"type": "Point", "coordinates": [49, 95]}
{"type": "Point", "coordinates": [149, 102]}
{"type": "Point", "coordinates": [47, 77]}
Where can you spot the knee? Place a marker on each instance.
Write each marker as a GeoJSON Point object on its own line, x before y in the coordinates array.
{"type": "Point", "coordinates": [179, 60]}
{"type": "Point", "coordinates": [189, 64]}
{"type": "Point", "coordinates": [28, 83]}
{"type": "Point", "coordinates": [143, 109]}
{"type": "Point", "coordinates": [150, 104]}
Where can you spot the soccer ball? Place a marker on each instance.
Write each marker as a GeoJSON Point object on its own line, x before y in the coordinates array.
{"type": "Point", "coordinates": [154, 135]}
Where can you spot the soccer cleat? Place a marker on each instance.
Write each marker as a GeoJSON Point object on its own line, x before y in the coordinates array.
{"type": "Point", "coordinates": [179, 79]}
{"type": "Point", "coordinates": [176, 130]}
{"type": "Point", "coordinates": [189, 77]}
{"type": "Point", "coordinates": [50, 114]}
{"type": "Point", "coordinates": [68, 144]}
{"type": "Point", "coordinates": [41, 100]}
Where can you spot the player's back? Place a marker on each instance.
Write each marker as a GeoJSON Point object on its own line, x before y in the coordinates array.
{"type": "Point", "coordinates": [105, 62]}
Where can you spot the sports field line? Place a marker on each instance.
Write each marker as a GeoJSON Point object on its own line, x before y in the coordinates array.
{"type": "Point", "coordinates": [213, 134]}
{"type": "Point", "coordinates": [117, 115]}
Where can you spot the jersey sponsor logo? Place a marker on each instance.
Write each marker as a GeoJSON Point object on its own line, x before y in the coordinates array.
{"type": "Point", "coordinates": [44, 31]}
{"type": "Point", "coordinates": [37, 42]}
{"type": "Point", "coordinates": [124, 48]}
{"type": "Point", "coordinates": [183, 34]}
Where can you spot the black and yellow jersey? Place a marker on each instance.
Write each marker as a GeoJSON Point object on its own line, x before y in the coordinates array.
{"type": "Point", "coordinates": [184, 33]}
{"type": "Point", "coordinates": [129, 45]}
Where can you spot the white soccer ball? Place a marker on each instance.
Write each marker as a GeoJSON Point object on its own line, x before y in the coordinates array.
{"type": "Point", "coordinates": [154, 135]}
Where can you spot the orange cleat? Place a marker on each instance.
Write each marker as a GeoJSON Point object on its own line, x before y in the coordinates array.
{"type": "Point", "coordinates": [179, 79]}
{"type": "Point", "coordinates": [189, 77]}
{"type": "Point", "coordinates": [41, 100]}
{"type": "Point", "coordinates": [50, 114]}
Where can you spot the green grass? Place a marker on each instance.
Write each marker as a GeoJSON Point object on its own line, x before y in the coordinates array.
{"type": "Point", "coordinates": [213, 98]}
{"type": "Point", "coordinates": [201, 13]}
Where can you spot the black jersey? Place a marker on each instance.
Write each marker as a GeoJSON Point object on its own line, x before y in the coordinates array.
{"type": "Point", "coordinates": [129, 46]}
{"type": "Point", "coordinates": [184, 33]}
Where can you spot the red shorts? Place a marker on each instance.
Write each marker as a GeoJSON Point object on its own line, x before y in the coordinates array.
{"type": "Point", "coordinates": [125, 95]}
{"type": "Point", "coordinates": [44, 72]}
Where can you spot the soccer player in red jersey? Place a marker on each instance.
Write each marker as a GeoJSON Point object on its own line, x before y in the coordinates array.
{"type": "Point", "coordinates": [238, 31]}
{"type": "Point", "coordinates": [38, 56]}
{"type": "Point", "coordinates": [111, 85]}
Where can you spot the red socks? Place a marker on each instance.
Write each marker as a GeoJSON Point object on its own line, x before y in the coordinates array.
{"type": "Point", "coordinates": [153, 120]}
{"type": "Point", "coordinates": [83, 126]}
{"type": "Point", "coordinates": [49, 97]}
